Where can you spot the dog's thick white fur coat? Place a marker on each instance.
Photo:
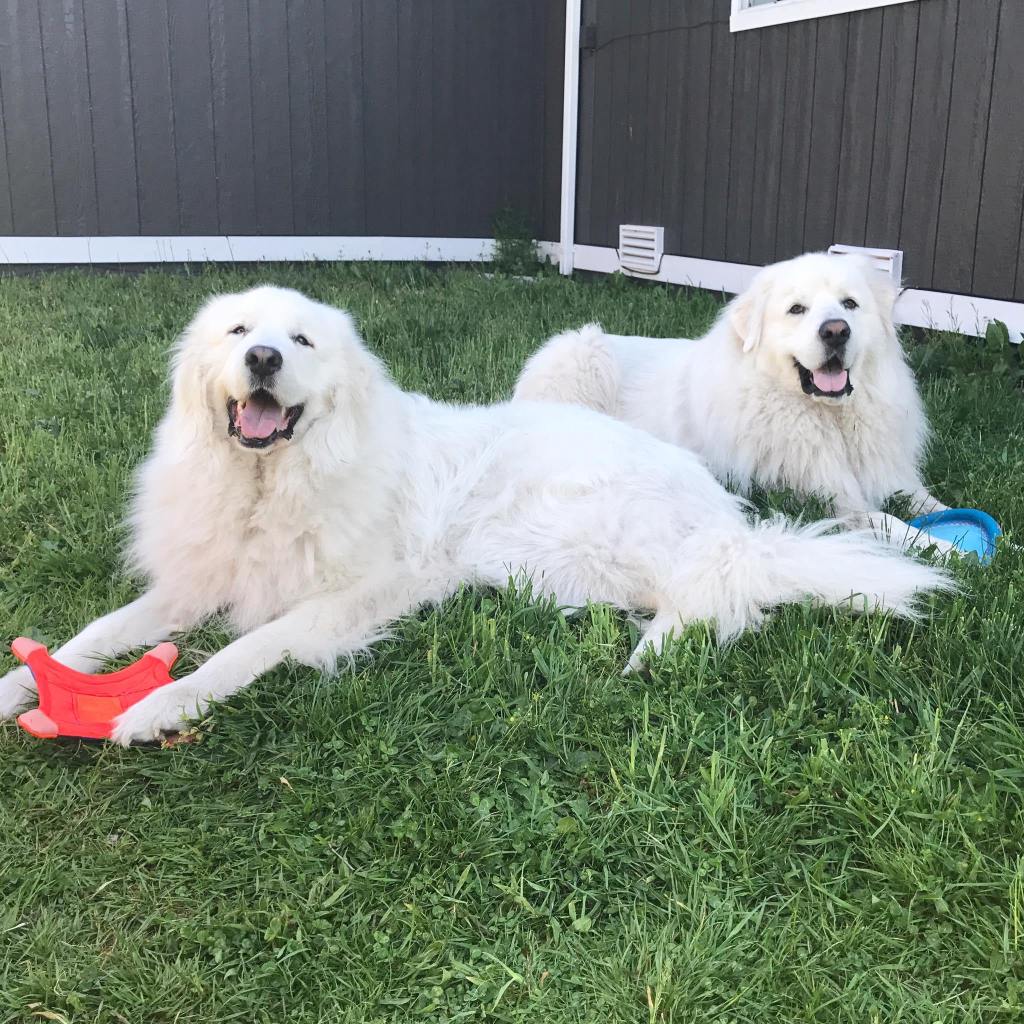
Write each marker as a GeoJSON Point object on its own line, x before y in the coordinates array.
{"type": "Point", "coordinates": [381, 501]}
{"type": "Point", "coordinates": [735, 396]}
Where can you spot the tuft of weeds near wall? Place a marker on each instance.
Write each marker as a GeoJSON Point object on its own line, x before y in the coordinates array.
{"type": "Point", "coordinates": [515, 250]}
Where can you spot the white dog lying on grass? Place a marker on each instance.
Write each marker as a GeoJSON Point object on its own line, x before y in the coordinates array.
{"type": "Point", "coordinates": [294, 487]}
{"type": "Point", "coordinates": [801, 383]}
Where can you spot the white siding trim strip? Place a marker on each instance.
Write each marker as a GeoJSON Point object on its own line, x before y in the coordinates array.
{"type": "Point", "coordinates": [15, 250]}
{"type": "Point", "coordinates": [965, 314]}
{"type": "Point", "coordinates": [710, 274]}
{"type": "Point", "coordinates": [944, 311]}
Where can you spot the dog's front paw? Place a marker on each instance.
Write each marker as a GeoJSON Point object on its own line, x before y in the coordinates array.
{"type": "Point", "coordinates": [165, 710]}
{"type": "Point", "coordinates": [17, 691]}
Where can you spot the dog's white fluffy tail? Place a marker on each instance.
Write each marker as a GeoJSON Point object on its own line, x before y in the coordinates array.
{"type": "Point", "coordinates": [576, 367]}
{"type": "Point", "coordinates": [736, 575]}
{"type": "Point", "coordinates": [777, 563]}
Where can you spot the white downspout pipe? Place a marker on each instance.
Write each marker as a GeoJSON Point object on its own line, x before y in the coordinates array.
{"type": "Point", "coordinates": [570, 129]}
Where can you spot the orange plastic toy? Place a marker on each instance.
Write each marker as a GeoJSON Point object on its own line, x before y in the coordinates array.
{"type": "Point", "coordinates": [78, 704]}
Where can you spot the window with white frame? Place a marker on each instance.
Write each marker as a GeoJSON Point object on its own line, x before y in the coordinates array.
{"type": "Point", "coordinates": [759, 13]}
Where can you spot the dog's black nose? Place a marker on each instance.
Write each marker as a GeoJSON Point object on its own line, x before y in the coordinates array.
{"type": "Point", "coordinates": [835, 333]}
{"type": "Point", "coordinates": [263, 361]}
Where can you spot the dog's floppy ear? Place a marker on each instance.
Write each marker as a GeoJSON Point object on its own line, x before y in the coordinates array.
{"type": "Point", "coordinates": [189, 379]}
{"type": "Point", "coordinates": [191, 371]}
{"type": "Point", "coordinates": [350, 404]}
{"type": "Point", "coordinates": [746, 313]}
{"type": "Point", "coordinates": [884, 289]}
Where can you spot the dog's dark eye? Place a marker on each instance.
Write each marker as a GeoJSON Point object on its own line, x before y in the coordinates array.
{"type": "Point", "coordinates": [301, 339]}
{"type": "Point", "coordinates": [849, 303]}
{"type": "Point", "coordinates": [240, 329]}
{"type": "Point", "coordinates": [797, 310]}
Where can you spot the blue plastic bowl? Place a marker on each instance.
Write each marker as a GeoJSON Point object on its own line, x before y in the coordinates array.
{"type": "Point", "coordinates": [967, 529]}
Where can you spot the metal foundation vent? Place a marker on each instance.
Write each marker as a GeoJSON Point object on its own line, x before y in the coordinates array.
{"type": "Point", "coordinates": [641, 248]}
{"type": "Point", "coordinates": [888, 261]}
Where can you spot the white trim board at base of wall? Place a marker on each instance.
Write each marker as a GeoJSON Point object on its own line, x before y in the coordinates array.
{"type": "Point", "coordinates": [19, 251]}
{"type": "Point", "coordinates": [944, 311]}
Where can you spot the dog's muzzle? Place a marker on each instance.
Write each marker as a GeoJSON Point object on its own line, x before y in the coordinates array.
{"type": "Point", "coordinates": [830, 380]}
{"type": "Point", "coordinates": [260, 421]}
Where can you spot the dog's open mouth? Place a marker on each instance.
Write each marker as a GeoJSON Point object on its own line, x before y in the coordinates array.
{"type": "Point", "coordinates": [260, 420]}
{"type": "Point", "coordinates": [830, 380]}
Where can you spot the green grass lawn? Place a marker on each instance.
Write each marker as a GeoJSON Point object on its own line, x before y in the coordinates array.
{"type": "Point", "coordinates": [823, 822]}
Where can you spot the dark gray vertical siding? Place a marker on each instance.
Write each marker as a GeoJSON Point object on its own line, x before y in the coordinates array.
{"type": "Point", "coordinates": [192, 103]}
{"type": "Point", "coordinates": [795, 155]}
{"type": "Point", "coordinates": [445, 201]}
{"type": "Point", "coordinates": [272, 146]}
{"type": "Point", "coordinates": [720, 141]}
{"type": "Point", "coordinates": [417, 170]}
{"type": "Point", "coordinates": [62, 23]}
{"type": "Point", "coordinates": [858, 129]}
{"type": "Point", "coordinates": [231, 72]}
{"type": "Point", "coordinates": [22, 79]}
{"type": "Point", "coordinates": [6, 216]}
{"type": "Point", "coordinates": [928, 143]}
{"type": "Point", "coordinates": [343, 46]}
{"type": "Point", "coordinates": [476, 113]}
{"type": "Point", "coordinates": [767, 162]}
{"type": "Point", "coordinates": [553, 20]}
{"type": "Point", "coordinates": [113, 122]}
{"type": "Point", "coordinates": [594, 151]}
{"type": "Point", "coordinates": [149, 35]}
{"type": "Point", "coordinates": [970, 98]}
{"type": "Point", "coordinates": [894, 101]}
{"type": "Point", "coordinates": [685, 176]}
{"type": "Point", "coordinates": [652, 198]}
{"type": "Point", "coordinates": [482, 62]}
{"type": "Point", "coordinates": [619, 134]}
{"type": "Point", "coordinates": [825, 129]}
{"type": "Point", "coordinates": [996, 251]}
{"type": "Point", "coordinates": [897, 127]}
{"type": "Point", "coordinates": [307, 88]}
{"type": "Point", "coordinates": [532, 181]}
{"type": "Point", "coordinates": [746, 82]}
{"type": "Point", "coordinates": [587, 126]}
{"type": "Point", "coordinates": [349, 117]}
{"type": "Point", "coordinates": [522, 106]}
{"type": "Point", "coordinates": [637, 130]}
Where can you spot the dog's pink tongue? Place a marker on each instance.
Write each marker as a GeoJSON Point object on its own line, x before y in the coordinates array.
{"type": "Point", "coordinates": [260, 419]}
{"type": "Point", "coordinates": [829, 382]}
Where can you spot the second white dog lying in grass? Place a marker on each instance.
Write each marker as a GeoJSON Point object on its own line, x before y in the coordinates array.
{"type": "Point", "coordinates": [296, 488]}
{"type": "Point", "coordinates": [801, 384]}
